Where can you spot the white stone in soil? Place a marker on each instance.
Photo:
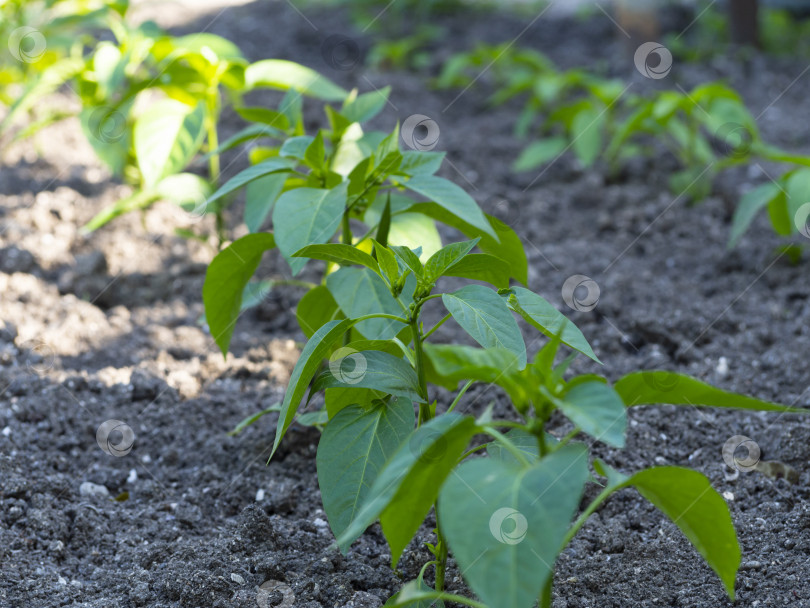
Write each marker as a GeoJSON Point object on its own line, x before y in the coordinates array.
{"type": "Point", "coordinates": [88, 488]}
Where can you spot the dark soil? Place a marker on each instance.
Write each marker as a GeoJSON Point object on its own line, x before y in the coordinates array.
{"type": "Point", "coordinates": [106, 327]}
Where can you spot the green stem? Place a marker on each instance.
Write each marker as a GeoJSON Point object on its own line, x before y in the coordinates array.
{"type": "Point", "coordinates": [420, 356]}
{"type": "Point", "coordinates": [382, 315]}
{"type": "Point", "coordinates": [460, 395]}
{"type": "Point", "coordinates": [437, 326]}
{"type": "Point", "coordinates": [347, 229]}
{"type": "Point", "coordinates": [583, 517]}
{"type": "Point", "coordinates": [511, 447]}
{"type": "Point", "coordinates": [441, 549]}
{"type": "Point", "coordinates": [213, 159]}
{"type": "Point", "coordinates": [545, 595]}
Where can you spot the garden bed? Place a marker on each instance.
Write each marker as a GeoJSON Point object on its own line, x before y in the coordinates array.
{"type": "Point", "coordinates": [107, 326]}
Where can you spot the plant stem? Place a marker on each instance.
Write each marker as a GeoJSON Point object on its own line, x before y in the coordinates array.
{"type": "Point", "coordinates": [213, 160]}
{"type": "Point", "coordinates": [460, 395]}
{"type": "Point", "coordinates": [510, 447]}
{"type": "Point", "coordinates": [583, 517]}
{"type": "Point", "coordinates": [437, 326]}
{"type": "Point", "coordinates": [347, 229]}
{"type": "Point", "coordinates": [420, 356]}
{"type": "Point", "coordinates": [545, 595]}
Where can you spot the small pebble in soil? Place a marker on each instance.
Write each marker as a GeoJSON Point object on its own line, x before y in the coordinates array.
{"type": "Point", "coordinates": [88, 488]}
{"type": "Point", "coordinates": [237, 579]}
{"type": "Point", "coordinates": [133, 476]}
{"type": "Point", "coordinates": [728, 495]}
{"type": "Point", "coordinates": [259, 495]}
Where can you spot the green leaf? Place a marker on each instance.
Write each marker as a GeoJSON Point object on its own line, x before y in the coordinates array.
{"type": "Point", "coordinates": [507, 246]}
{"type": "Point", "coordinates": [249, 133]}
{"type": "Point", "coordinates": [688, 499]}
{"type": "Point", "coordinates": [315, 308]}
{"type": "Point", "coordinates": [166, 137]}
{"type": "Point", "coordinates": [454, 199]}
{"type": "Point", "coordinates": [659, 386]}
{"type": "Point", "coordinates": [798, 193]}
{"type": "Point", "coordinates": [540, 152]}
{"type": "Point", "coordinates": [361, 108]}
{"type": "Point", "coordinates": [370, 369]}
{"type": "Point", "coordinates": [339, 253]}
{"type": "Point", "coordinates": [316, 152]}
{"type": "Point", "coordinates": [406, 488]}
{"type": "Point", "coordinates": [387, 261]}
{"type": "Point", "coordinates": [281, 74]}
{"type": "Point", "coordinates": [296, 147]}
{"type": "Point", "coordinates": [225, 280]}
{"type": "Point", "coordinates": [358, 292]}
{"type": "Point", "coordinates": [543, 316]}
{"type": "Point", "coordinates": [484, 315]}
{"type": "Point", "coordinates": [482, 267]}
{"type": "Point", "coordinates": [337, 399]}
{"type": "Point", "coordinates": [253, 172]}
{"type": "Point", "coordinates": [354, 447]}
{"type": "Point", "coordinates": [308, 363]}
{"type": "Point", "coordinates": [306, 216]}
{"type": "Point", "coordinates": [416, 594]}
{"type": "Point", "coordinates": [260, 197]}
{"type": "Point", "coordinates": [505, 525]}
{"type": "Point", "coordinates": [187, 190]}
{"type": "Point", "coordinates": [266, 116]}
{"type": "Point", "coordinates": [415, 162]}
{"type": "Point", "coordinates": [597, 409]}
{"type": "Point", "coordinates": [276, 407]}
{"type": "Point", "coordinates": [446, 258]}
{"type": "Point", "coordinates": [524, 441]}
{"type": "Point", "coordinates": [409, 259]}
{"type": "Point", "coordinates": [586, 132]}
{"type": "Point", "coordinates": [749, 206]}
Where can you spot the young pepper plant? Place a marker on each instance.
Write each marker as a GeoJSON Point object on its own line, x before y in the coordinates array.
{"type": "Point", "coordinates": [346, 184]}
{"type": "Point", "coordinates": [389, 453]}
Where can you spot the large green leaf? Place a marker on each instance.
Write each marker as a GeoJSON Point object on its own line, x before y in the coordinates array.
{"type": "Point", "coordinates": [542, 315]}
{"type": "Point", "coordinates": [260, 196]}
{"type": "Point", "coordinates": [506, 524]}
{"type": "Point", "coordinates": [281, 74]}
{"type": "Point", "coordinates": [339, 253]}
{"type": "Point", "coordinates": [308, 363]}
{"type": "Point", "coordinates": [659, 386]}
{"type": "Point", "coordinates": [225, 281]}
{"type": "Point", "coordinates": [482, 267]}
{"type": "Point", "coordinates": [267, 167]}
{"type": "Point", "coordinates": [315, 308]}
{"type": "Point", "coordinates": [484, 315]}
{"type": "Point", "coordinates": [408, 485]}
{"type": "Point", "coordinates": [306, 216]}
{"type": "Point", "coordinates": [166, 137]}
{"type": "Point", "coordinates": [354, 447]}
{"type": "Point", "coordinates": [358, 292]}
{"type": "Point", "coordinates": [453, 198]}
{"type": "Point", "coordinates": [688, 499]}
{"type": "Point", "coordinates": [597, 409]}
{"type": "Point", "coordinates": [750, 204]}
{"type": "Point", "coordinates": [507, 246]}
{"type": "Point", "coordinates": [372, 369]}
